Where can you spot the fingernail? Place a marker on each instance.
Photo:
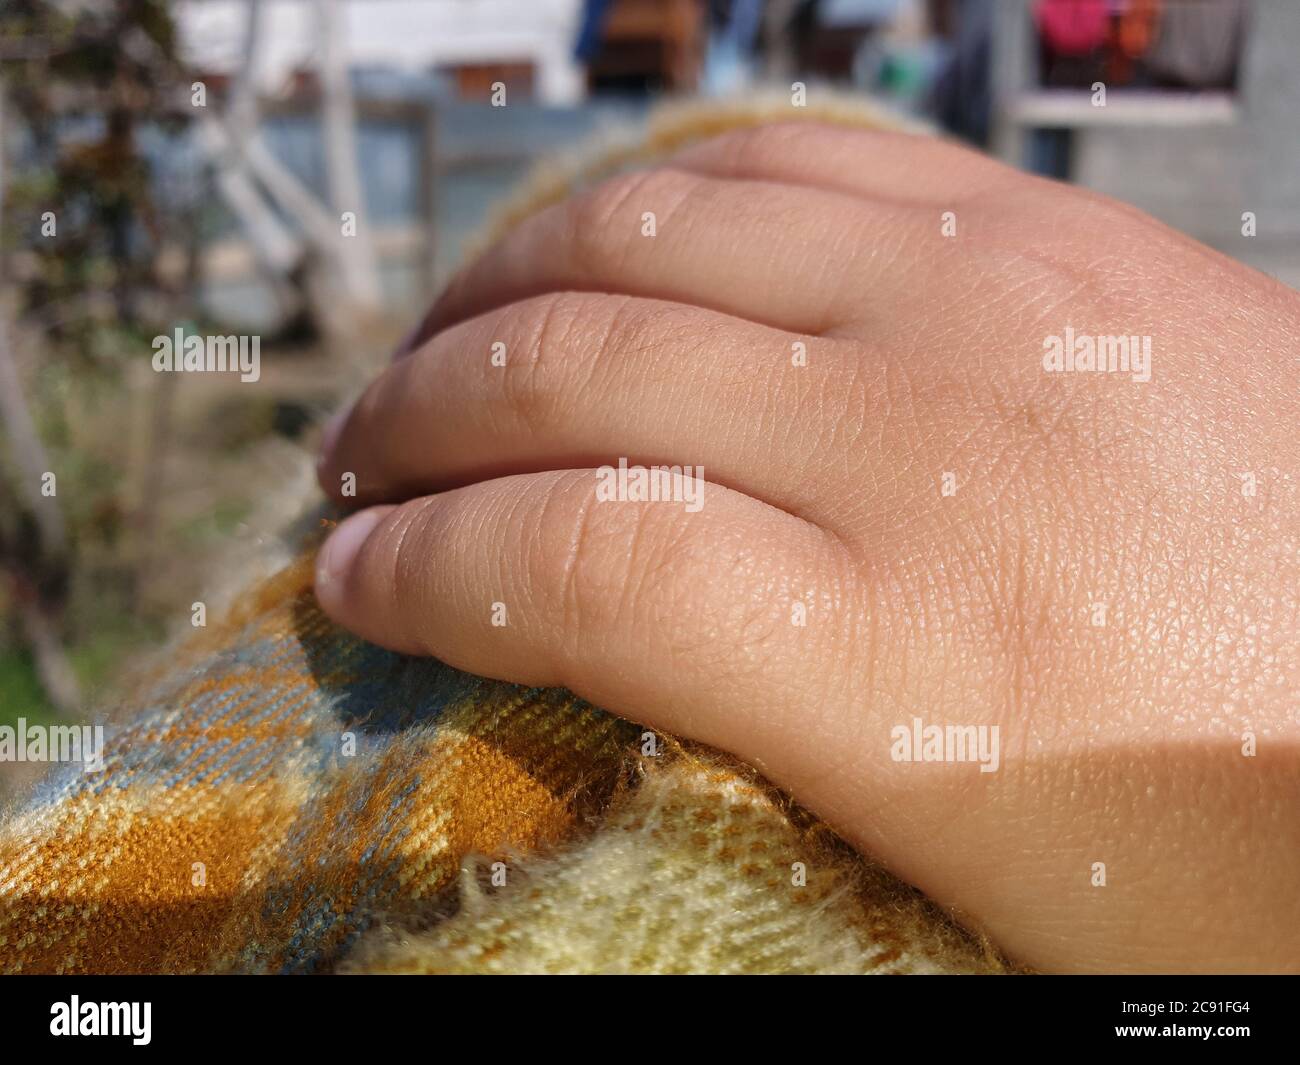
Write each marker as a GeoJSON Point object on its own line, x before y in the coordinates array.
{"type": "Point", "coordinates": [336, 557]}
{"type": "Point", "coordinates": [329, 435]}
{"type": "Point", "coordinates": [408, 342]}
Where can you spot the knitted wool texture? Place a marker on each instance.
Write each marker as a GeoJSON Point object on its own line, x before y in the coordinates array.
{"type": "Point", "coordinates": [287, 798]}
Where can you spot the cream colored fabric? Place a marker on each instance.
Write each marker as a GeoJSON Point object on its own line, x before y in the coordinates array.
{"type": "Point", "coordinates": [696, 869]}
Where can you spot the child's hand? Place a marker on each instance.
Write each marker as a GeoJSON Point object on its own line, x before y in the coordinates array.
{"type": "Point", "coordinates": [907, 516]}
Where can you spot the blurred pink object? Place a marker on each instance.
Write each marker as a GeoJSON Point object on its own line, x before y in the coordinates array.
{"type": "Point", "coordinates": [1073, 27]}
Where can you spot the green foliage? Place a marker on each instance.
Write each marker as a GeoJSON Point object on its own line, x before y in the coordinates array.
{"type": "Point", "coordinates": [20, 691]}
{"type": "Point", "coordinates": [97, 661]}
{"type": "Point", "coordinates": [84, 86]}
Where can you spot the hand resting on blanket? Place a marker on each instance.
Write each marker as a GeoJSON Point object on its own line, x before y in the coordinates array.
{"type": "Point", "coordinates": [996, 564]}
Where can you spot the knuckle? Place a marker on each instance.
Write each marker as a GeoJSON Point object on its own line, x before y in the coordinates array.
{"type": "Point", "coordinates": [626, 328]}
{"type": "Point", "coordinates": [745, 148]}
{"type": "Point", "coordinates": [566, 338]}
{"type": "Point", "coordinates": [533, 386]}
{"type": "Point", "coordinates": [593, 213]}
{"type": "Point", "coordinates": [589, 559]}
{"type": "Point", "coordinates": [410, 576]}
{"type": "Point", "coordinates": [569, 561]}
{"type": "Point", "coordinates": [606, 219]}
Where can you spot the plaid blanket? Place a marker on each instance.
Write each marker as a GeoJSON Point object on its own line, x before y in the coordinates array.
{"type": "Point", "coordinates": [288, 798]}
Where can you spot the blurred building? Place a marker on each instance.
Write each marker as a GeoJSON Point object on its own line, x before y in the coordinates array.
{"type": "Point", "coordinates": [472, 43]}
{"type": "Point", "coordinates": [1200, 122]}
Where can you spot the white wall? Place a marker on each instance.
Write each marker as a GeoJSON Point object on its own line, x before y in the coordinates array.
{"type": "Point", "coordinates": [409, 35]}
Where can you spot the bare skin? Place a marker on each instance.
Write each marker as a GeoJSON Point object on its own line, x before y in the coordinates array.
{"type": "Point", "coordinates": [1111, 576]}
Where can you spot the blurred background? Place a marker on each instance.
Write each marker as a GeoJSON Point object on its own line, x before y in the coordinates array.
{"type": "Point", "coordinates": [187, 164]}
